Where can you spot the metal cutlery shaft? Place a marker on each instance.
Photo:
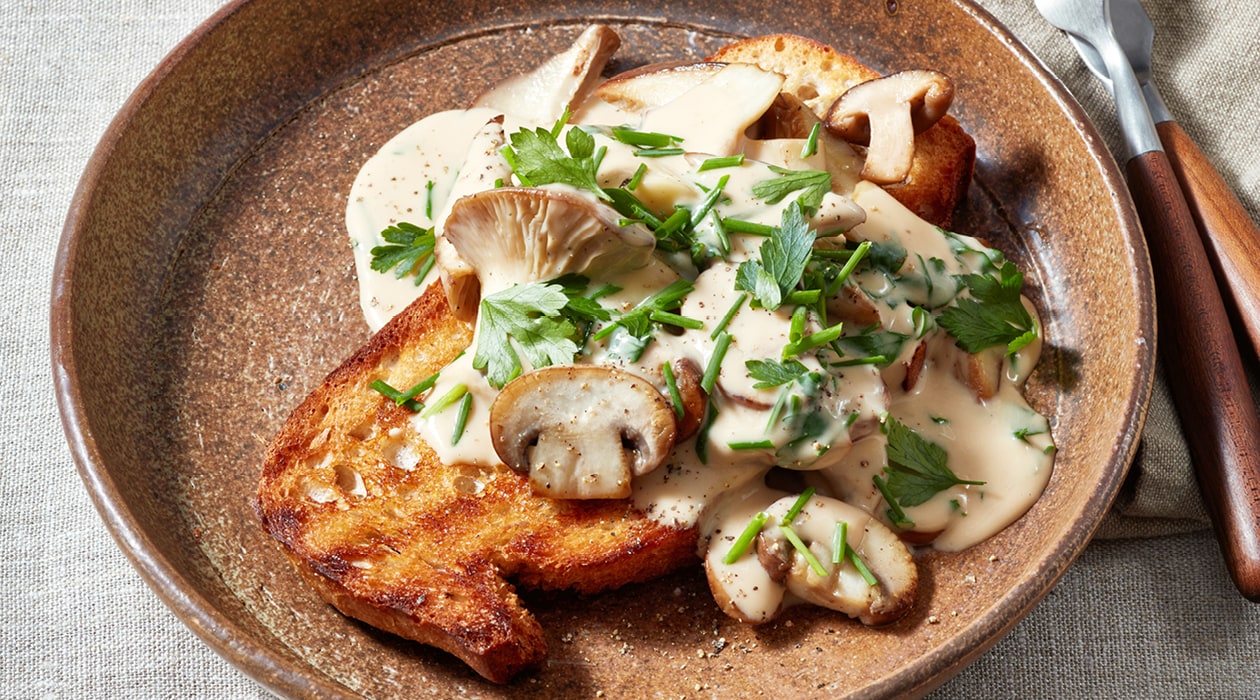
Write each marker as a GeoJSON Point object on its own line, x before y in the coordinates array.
{"type": "Point", "coordinates": [1196, 343]}
{"type": "Point", "coordinates": [1230, 236]}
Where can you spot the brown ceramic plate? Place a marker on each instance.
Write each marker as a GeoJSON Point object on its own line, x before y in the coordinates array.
{"type": "Point", "coordinates": [204, 286]}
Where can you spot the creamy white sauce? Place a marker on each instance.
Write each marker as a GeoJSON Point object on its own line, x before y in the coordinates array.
{"type": "Point", "coordinates": [996, 439]}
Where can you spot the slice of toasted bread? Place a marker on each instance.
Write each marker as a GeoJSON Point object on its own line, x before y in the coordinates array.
{"type": "Point", "coordinates": [390, 535]}
{"type": "Point", "coordinates": [817, 74]}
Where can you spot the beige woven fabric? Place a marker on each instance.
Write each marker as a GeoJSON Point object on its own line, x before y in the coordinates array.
{"type": "Point", "coordinates": [1151, 617]}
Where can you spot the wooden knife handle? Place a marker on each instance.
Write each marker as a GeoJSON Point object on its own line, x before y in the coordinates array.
{"type": "Point", "coordinates": [1203, 369]}
{"type": "Point", "coordinates": [1229, 235]}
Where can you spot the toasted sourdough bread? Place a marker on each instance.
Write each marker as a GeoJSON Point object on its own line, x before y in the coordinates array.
{"type": "Point", "coordinates": [423, 551]}
{"type": "Point", "coordinates": [817, 74]}
{"type": "Point", "coordinates": [383, 530]}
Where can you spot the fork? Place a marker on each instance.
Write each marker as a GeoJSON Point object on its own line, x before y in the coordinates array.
{"type": "Point", "coordinates": [1231, 239]}
{"type": "Point", "coordinates": [1196, 343]}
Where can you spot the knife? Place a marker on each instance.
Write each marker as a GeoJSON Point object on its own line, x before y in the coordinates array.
{"type": "Point", "coordinates": [1229, 235]}
{"type": "Point", "coordinates": [1196, 344]}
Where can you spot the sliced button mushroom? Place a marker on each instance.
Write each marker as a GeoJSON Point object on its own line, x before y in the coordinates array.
{"type": "Point", "coordinates": [885, 114]}
{"type": "Point", "coordinates": [512, 235]}
{"type": "Point", "coordinates": [842, 586]}
{"type": "Point", "coordinates": [582, 431]}
{"type": "Point", "coordinates": [773, 573]}
{"type": "Point", "coordinates": [693, 400]}
{"type": "Point", "coordinates": [540, 96]}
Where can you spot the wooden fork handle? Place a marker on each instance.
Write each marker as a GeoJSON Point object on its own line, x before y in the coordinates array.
{"type": "Point", "coordinates": [1204, 370]}
{"type": "Point", "coordinates": [1229, 235]}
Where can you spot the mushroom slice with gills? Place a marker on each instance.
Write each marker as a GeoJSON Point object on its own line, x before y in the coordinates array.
{"type": "Point", "coordinates": [513, 235]}
{"type": "Point", "coordinates": [582, 431]}
{"type": "Point", "coordinates": [885, 114]}
{"type": "Point", "coordinates": [483, 165]}
{"type": "Point", "coordinates": [540, 96]}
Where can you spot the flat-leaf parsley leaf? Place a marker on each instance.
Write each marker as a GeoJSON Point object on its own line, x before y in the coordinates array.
{"type": "Point", "coordinates": [531, 315]}
{"type": "Point", "coordinates": [410, 251]}
{"type": "Point", "coordinates": [994, 315]}
{"type": "Point", "coordinates": [917, 468]}
{"type": "Point", "coordinates": [782, 259]}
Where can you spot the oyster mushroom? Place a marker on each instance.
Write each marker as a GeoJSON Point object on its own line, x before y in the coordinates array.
{"type": "Point", "coordinates": [511, 235]}
{"type": "Point", "coordinates": [482, 166]}
{"type": "Point", "coordinates": [581, 431]}
{"type": "Point", "coordinates": [541, 96]}
{"type": "Point", "coordinates": [885, 114]}
{"type": "Point", "coordinates": [773, 574]}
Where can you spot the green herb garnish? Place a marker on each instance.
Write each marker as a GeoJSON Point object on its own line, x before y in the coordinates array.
{"type": "Point", "coordinates": [537, 158]}
{"type": "Point", "coordinates": [782, 259]}
{"type": "Point", "coordinates": [814, 183]}
{"type": "Point", "coordinates": [455, 393]}
{"type": "Point", "coordinates": [798, 505]}
{"type": "Point", "coordinates": [461, 418]}
{"type": "Point", "coordinates": [993, 315]}
{"type": "Point", "coordinates": [410, 251]}
{"type": "Point", "coordinates": [531, 315]}
{"type": "Point", "coordinates": [917, 468]}
{"type": "Point", "coordinates": [720, 346]}
{"type": "Point", "coordinates": [810, 559]}
{"type": "Point", "coordinates": [745, 538]}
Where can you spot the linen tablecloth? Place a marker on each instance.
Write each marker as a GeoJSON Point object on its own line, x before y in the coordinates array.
{"type": "Point", "coordinates": [1147, 611]}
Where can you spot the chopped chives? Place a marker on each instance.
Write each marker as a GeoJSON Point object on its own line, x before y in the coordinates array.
{"type": "Point", "coordinates": [702, 435]}
{"type": "Point", "coordinates": [777, 409]}
{"type": "Point", "coordinates": [715, 362]}
{"type": "Point", "coordinates": [751, 445]}
{"type": "Point", "coordinates": [724, 239]}
{"type": "Point", "coordinates": [710, 199]}
{"type": "Point", "coordinates": [652, 139]}
{"type": "Point", "coordinates": [603, 292]}
{"type": "Point", "coordinates": [721, 162]}
{"type": "Point", "coordinates": [861, 567]}
{"type": "Point", "coordinates": [749, 227]}
{"type": "Point", "coordinates": [895, 513]}
{"type": "Point", "coordinates": [673, 319]}
{"type": "Point", "coordinates": [871, 360]}
{"type": "Point", "coordinates": [811, 142]}
{"type": "Point", "coordinates": [424, 269]}
{"type": "Point", "coordinates": [658, 152]}
{"type": "Point", "coordinates": [406, 398]}
{"type": "Point", "coordinates": [745, 538]}
{"type": "Point", "coordinates": [637, 178]}
{"type": "Point", "coordinates": [798, 506]}
{"type": "Point", "coordinates": [797, 328]}
{"type": "Point", "coordinates": [812, 341]}
{"type": "Point", "coordinates": [389, 392]}
{"type": "Point", "coordinates": [671, 384]}
{"type": "Point", "coordinates": [445, 401]}
{"type": "Point", "coordinates": [840, 542]}
{"type": "Point", "coordinates": [810, 559]}
{"type": "Point", "coordinates": [428, 199]}
{"type": "Point", "coordinates": [858, 253]}
{"type": "Point", "coordinates": [730, 314]}
{"type": "Point", "coordinates": [803, 296]}
{"type": "Point", "coordinates": [461, 419]}
{"type": "Point", "coordinates": [677, 221]}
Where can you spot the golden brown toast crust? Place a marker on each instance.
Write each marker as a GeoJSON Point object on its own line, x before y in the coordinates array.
{"type": "Point", "coordinates": [424, 553]}
{"type": "Point", "coordinates": [944, 155]}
